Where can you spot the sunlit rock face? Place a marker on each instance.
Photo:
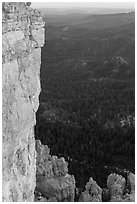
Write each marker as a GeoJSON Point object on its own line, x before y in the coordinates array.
{"type": "Point", "coordinates": [22, 38]}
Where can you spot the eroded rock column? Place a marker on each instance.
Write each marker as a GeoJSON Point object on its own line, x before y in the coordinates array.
{"type": "Point", "coordinates": [53, 180]}
{"type": "Point", "coordinates": [22, 38]}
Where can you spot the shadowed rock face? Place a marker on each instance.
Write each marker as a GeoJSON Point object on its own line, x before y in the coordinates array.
{"type": "Point", "coordinates": [53, 180]}
{"type": "Point", "coordinates": [22, 38]}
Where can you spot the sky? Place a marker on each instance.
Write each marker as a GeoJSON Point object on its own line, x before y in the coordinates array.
{"type": "Point", "coordinates": [64, 5]}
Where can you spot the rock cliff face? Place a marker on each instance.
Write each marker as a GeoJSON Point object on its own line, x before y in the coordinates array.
{"type": "Point", "coordinates": [22, 38]}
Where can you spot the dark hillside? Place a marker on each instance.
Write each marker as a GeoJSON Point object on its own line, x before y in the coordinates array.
{"type": "Point", "coordinates": [106, 21]}
{"type": "Point", "coordinates": [87, 103]}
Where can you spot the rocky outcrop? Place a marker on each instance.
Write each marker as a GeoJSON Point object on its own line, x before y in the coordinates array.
{"type": "Point", "coordinates": [119, 190]}
{"type": "Point", "coordinates": [53, 181]}
{"type": "Point", "coordinates": [93, 192]}
{"type": "Point", "coordinates": [130, 196]}
{"type": "Point", "coordinates": [116, 186]}
{"type": "Point", "coordinates": [117, 60]}
{"type": "Point", "coordinates": [116, 67]}
{"type": "Point", "coordinates": [22, 38]}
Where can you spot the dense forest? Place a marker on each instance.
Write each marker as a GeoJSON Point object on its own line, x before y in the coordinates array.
{"type": "Point", "coordinates": [87, 102]}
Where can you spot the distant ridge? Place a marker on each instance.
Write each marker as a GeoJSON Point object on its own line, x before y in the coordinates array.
{"type": "Point", "coordinates": [87, 11]}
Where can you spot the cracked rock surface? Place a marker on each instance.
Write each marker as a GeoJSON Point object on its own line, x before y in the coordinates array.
{"type": "Point", "coordinates": [21, 59]}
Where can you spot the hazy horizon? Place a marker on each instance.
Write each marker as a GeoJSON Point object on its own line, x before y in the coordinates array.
{"type": "Point", "coordinates": [82, 5]}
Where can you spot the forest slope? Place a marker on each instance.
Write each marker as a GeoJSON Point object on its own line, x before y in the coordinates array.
{"type": "Point", "coordinates": [87, 106]}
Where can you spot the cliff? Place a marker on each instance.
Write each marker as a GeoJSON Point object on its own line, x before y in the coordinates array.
{"type": "Point", "coordinates": [22, 38]}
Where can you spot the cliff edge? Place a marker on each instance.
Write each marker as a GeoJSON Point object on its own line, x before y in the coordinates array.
{"type": "Point", "coordinates": [22, 38]}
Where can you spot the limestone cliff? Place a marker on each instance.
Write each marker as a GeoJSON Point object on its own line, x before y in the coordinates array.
{"type": "Point", "coordinates": [22, 38]}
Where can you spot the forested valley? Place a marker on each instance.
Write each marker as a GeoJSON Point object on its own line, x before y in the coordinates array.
{"type": "Point", "coordinates": [87, 102]}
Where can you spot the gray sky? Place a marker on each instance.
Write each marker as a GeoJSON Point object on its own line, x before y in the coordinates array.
{"type": "Point", "coordinates": [111, 5]}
